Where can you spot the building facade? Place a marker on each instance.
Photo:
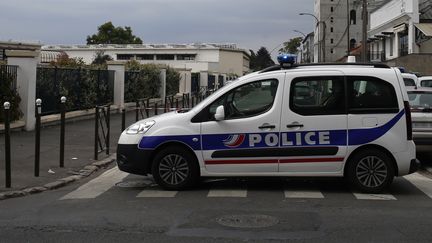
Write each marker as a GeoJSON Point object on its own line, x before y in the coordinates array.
{"type": "Point", "coordinates": [224, 59]}
{"type": "Point", "coordinates": [307, 49]}
{"type": "Point", "coordinates": [401, 34]}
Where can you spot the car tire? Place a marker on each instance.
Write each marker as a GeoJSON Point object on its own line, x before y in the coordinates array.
{"type": "Point", "coordinates": [175, 168]}
{"type": "Point", "coordinates": [370, 171]}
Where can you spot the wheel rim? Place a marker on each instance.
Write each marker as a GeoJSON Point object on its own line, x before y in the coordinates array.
{"type": "Point", "coordinates": [173, 169]}
{"type": "Point", "coordinates": [371, 171]}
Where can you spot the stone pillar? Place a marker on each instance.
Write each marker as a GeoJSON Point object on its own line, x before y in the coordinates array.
{"type": "Point", "coordinates": [119, 82]}
{"type": "Point", "coordinates": [203, 79]}
{"type": "Point", "coordinates": [162, 78]}
{"type": "Point", "coordinates": [185, 80]}
{"type": "Point", "coordinates": [26, 82]}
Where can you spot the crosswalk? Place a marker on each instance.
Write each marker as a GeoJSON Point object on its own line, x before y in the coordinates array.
{"type": "Point", "coordinates": [106, 181]}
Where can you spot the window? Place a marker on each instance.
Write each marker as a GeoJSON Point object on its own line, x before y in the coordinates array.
{"type": "Point", "coordinates": [144, 56]}
{"type": "Point", "coordinates": [331, 9]}
{"type": "Point", "coordinates": [371, 95]}
{"type": "Point", "coordinates": [331, 41]}
{"type": "Point", "coordinates": [125, 56]}
{"type": "Point", "coordinates": [426, 83]}
{"type": "Point", "coordinates": [331, 51]}
{"type": "Point", "coordinates": [331, 19]}
{"type": "Point", "coordinates": [185, 57]}
{"type": "Point", "coordinates": [318, 96]}
{"type": "Point", "coordinates": [353, 43]}
{"type": "Point", "coordinates": [164, 57]}
{"type": "Point", "coordinates": [245, 101]}
{"type": "Point", "coordinates": [352, 17]}
{"type": "Point", "coordinates": [409, 82]}
{"type": "Point", "coordinates": [331, 29]}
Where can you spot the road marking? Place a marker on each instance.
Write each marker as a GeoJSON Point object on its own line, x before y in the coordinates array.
{"type": "Point", "coordinates": [303, 194]}
{"type": "Point", "coordinates": [423, 183]}
{"type": "Point", "coordinates": [97, 186]}
{"type": "Point", "coordinates": [157, 193]}
{"type": "Point", "coordinates": [227, 193]}
{"type": "Point", "coordinates": [367, 196]}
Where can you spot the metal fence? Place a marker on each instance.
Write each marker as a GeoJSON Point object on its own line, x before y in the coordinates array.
{"type": "Point", "coordinates": [85, 88]}
{"type": "Point", "coordinates": [8, 73]}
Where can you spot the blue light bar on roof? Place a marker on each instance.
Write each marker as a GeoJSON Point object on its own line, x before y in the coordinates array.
{"type": "Point", "coordinates": [287, 59]}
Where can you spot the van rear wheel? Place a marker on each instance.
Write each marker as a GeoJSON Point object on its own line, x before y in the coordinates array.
{"type": "Point", "coordinates": [370, 171]}
{"type": "Point", "coordinates": [175, 168]}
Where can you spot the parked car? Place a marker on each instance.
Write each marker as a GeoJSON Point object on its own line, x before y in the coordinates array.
{"type": "Point", "coordinates": [348, 120]}
{"type": "Point", "coordinates": [425, 81]}
{"type": "Point", "coordinates": [421, 112]}
{"type": "Point", "coordinates": [410, 79]}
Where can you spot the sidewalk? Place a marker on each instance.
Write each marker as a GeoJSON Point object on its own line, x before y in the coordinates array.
{"type": "Point", "coordinates": [79, 153]}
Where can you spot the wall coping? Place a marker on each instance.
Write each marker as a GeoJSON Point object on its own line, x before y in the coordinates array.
{"type": "Point", "coordinates": [22, 53]}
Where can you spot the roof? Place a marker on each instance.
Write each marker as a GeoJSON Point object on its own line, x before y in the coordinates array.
{"type": "Point", "coordinates": [426, 28]}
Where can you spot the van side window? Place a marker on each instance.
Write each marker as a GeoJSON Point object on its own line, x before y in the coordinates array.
{"type": "Point", "coordinates": [371, 95]}
{"type": "Point", "coordinates": [318, 96]}
{"type": "Point", "coordinates": [247, 100]}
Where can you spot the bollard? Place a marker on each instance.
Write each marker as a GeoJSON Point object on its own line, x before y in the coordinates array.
{"type": "Point", "coordinates": [6, 106]}
{"type": "Point", "coordinates": [37, 143]}
{"type": "Point", "coordinates": [165, 104]}
{"type": "Point", "coordinates": [156, 108]}
{"type": "Point", "coordinates": [147, 108]}
{"type": "Point", "coordinates": [177, 103]}
{"type": "Point", "coordinates": [96, 133]}
{"type": "Point", "coordinates": [183, 100]}
{"type": "Point", "coordinates": [62, 129]}
{"type": "Point", "coordinates": [123, 125]}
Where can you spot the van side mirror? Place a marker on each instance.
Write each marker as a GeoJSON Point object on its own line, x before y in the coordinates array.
{"type": "Point", "coordinates": [220, 113]}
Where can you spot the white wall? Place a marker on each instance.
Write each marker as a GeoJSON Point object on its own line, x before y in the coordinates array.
{"type": "Point", "coordinates": [392, 10]}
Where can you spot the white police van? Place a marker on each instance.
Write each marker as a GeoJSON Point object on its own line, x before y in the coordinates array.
{"type": "Point", "coordinates": [326, 120]}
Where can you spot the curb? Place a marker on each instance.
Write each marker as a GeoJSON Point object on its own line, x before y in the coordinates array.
{"type": "Point", "coordinates": [83, 173]}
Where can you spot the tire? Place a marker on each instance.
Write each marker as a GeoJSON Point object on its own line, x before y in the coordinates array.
{"type": "Point", "coordinates": [175, 168]}
{"type": "Point", "coordinates": [370, 171]}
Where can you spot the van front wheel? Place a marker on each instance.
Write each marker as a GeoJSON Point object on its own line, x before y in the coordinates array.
{"type": "Point", "coordinates": [370, 171]}
{"type": "Point", "coordinates": [175, 168]}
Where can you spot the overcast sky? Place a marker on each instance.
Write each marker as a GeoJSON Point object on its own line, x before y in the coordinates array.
{"type": "Point", "coordinates": [248, 23]}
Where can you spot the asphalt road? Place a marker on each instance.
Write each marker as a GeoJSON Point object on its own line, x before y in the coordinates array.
{"type": "Point", "coordinates": [113, 206]}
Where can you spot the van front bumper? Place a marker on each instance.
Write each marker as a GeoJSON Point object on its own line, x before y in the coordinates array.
{"type": "Point", "coordinates": [133, 160]}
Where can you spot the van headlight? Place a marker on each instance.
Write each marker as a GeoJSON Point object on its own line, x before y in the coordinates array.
{"type": "Point", "coordinates": [140, 127]}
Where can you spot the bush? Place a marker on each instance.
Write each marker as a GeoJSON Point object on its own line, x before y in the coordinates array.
{"type": "Point", "coordinates": [7, 93]}
{"type": "Point", "coordinates": [172, 81]}
{"type": "Point", "coordinates": [141, 81]}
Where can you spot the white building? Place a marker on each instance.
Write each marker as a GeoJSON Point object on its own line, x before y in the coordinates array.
{"type": "Point", "coordinates": [400, 34]}
{"type": "Point", "coordinates": [221, 59]}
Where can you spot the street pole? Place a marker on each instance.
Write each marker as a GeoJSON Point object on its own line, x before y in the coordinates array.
{"type": "Point", "coordinates": [364, 31]}
{"type": "Point", "coordinates": [323, 41]}
{"type": "Point", "coordinates": [317, 26]}
{"type": "Point", "coordinates": [348, 29]}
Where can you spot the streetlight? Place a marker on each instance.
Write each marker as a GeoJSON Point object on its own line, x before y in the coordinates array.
{"type": "Point", "coordinates": [319, 41]}
{"type": "Point", "coordinates": [304, 36]}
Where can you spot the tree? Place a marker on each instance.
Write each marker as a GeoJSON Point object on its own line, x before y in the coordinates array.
{"type": "Point", "coordinates": [291, 46]}
{"type": "Point", "coordinates": [109, 34]}
{"type": "Point", "coordinates": [101, 58]}
{"type": "Point", "coordinates": [261, 59]}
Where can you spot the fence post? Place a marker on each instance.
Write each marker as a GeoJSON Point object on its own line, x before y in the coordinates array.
{"type": "Point", "coordinates": [96, 133]}
{"type": "Point", "coordinates": [136, 110]}
{"type": "Point", "coordinates": [108, 129]}
{"type": "Point", "coordinates": [123, 125]}
{"type": "Point", "coordinates": [6, 106]}
{"type": "Point", "coordinates": [156, 108]}
{"type": "Point", "coordinates": [62, 129]}
{"type": "Point", "coordinates": [37, 143]}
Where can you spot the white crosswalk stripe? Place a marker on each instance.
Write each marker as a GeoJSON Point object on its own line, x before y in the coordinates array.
{"type": "Point", "coordinates": [303, 194]}
{"type": "Point", "coordinates": [157, 193]}
{"type": "Point", "coordinates": [227, 193]}
{"type": "Point", "coordinates": [366, 196]}
{"type": "Point", "coordinates": [423, 183]}
{"type": "Point", "coordinates": [97, 186]}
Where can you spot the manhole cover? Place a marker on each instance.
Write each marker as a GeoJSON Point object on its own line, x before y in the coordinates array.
{"type": "Point", "coordinates": [132, 184]}
{"type": "Point", "coordinates": [247, 221]}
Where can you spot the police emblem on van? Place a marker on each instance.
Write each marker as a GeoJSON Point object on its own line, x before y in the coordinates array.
{"type": "Point", "coordinates": [235, 140]}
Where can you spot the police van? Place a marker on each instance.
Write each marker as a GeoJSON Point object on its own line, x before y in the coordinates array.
{"type": "Point", "coordinates": [324, 120]}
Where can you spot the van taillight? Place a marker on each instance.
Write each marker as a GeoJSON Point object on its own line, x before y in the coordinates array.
{"type": "Point", "coordinates": [408, 120]}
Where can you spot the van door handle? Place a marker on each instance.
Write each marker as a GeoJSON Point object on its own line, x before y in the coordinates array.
{"type": "Point", "coordinates": [267, 126]}
{"type": "Point", "coordinates": [294, 124]}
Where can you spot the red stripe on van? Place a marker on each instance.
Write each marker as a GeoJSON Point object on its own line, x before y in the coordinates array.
{"type": "Point", "coordinates": [311, 160]}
